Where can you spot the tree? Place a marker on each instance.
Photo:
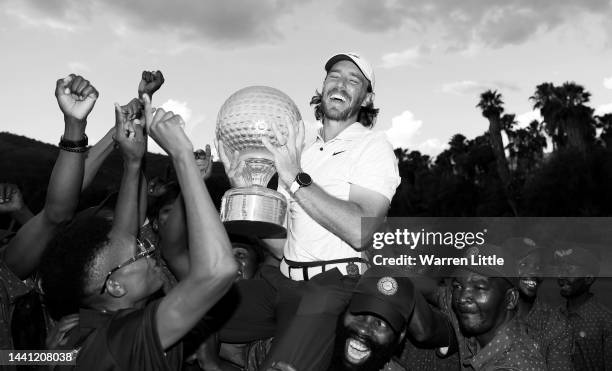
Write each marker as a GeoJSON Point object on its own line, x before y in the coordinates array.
{"type": "Point", "coordinates": [492, 109]}
{"type": "Point", "coordinates": [567, 118]}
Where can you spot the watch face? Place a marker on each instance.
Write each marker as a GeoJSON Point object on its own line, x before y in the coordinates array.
{"type": "Point", "coordinates": [303, 179]}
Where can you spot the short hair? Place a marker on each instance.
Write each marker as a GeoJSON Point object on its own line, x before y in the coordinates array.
{"type": "Point", "coordinates": [366, 116]}
{"type": "Point", "coordinates": [69, 264]}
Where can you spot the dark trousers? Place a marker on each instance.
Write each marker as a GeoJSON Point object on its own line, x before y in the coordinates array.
{"type": "Point", "coordinates": [300, 315]}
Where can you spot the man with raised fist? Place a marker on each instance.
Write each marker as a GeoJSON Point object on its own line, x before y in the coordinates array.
{"type": "Point", "coordinates": [19, 259]}
{"type": "Point", "coordinates": [112, 272]}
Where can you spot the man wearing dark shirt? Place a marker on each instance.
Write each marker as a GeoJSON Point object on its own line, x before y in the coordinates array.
{"type": "Point", "coordinates": [99, 265]}
{"type": "Point", "coordinates": [590, 321]}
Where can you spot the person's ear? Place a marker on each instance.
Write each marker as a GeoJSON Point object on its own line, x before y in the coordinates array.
{"type": "Point", "coordinates": [115, 288]}
{"type": "Point", "coordinates": [368, 100]}
{"type": "Point", "coordinates": [512, 297]}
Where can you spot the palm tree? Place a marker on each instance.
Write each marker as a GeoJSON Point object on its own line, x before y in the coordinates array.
{"type": "Point", "coordinates": [491, 106]}
{"type": "Point", "coordinates": [567, 118]}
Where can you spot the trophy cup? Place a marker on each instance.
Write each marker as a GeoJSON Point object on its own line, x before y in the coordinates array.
{"type": "Point", "coordinates": [246, 117]}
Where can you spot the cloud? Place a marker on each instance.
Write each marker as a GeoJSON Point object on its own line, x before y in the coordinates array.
{"type": "Point", "coordinates": [607, 82]}
{"type": "Point", "coordinates": [524, 119]}
{"type": "Point", "coordinates": [222, 22]}
{"type": "Point", "coordinates": [404, 131]}
{"type": "Point", "coordinates": [603, 109]}
{"type": "Point", "coordinates": [462, 23]}
{"type": "Point", "coordinates": [409, 57]}
{"type": "Point", "coordinates": [471, 88]}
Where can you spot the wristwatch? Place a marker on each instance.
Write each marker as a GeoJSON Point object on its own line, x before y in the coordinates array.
{"type": "Point", "coordinates": [301, 180]}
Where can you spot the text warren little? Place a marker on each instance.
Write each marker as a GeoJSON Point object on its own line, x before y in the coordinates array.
{"type": "Point", "coordinates": [431, 259]}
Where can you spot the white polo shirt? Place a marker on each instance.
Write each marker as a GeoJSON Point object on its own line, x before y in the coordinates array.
{"type": "Point", "coordinates": [355, 156]}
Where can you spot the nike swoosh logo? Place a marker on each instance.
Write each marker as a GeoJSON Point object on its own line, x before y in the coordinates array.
{"type": "Point", "coordinates": [336, 153]}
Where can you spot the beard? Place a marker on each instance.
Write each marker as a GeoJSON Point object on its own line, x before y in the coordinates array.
{"type": "Point", "coordinates": [379, 355]}
{"type": "Point", "coordinates": [333, 113]}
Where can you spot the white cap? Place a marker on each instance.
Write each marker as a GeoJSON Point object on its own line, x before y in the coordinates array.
{"type": "Point", "coordinates": [364, 65]}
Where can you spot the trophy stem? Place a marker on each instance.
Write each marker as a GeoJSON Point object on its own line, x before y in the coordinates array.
{"type": "Point", "coordinates": [259, 170]}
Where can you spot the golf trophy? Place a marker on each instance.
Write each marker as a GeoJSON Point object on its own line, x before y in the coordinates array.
{"type": "Point", "coordinates": [244, 119]}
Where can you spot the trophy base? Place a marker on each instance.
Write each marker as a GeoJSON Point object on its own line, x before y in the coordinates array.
{"type": "Point", "coordinates": [254, 211]}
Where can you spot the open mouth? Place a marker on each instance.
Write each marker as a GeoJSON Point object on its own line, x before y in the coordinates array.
{"type": "Point", "coordinates": [356, 351]}
{"type": "Point", "coordinates": [529, 283]}
{"type": "Point", "coordinates": [338, 98]}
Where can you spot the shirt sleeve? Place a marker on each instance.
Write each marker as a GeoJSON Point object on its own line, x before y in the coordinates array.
{"type": "Point", "coordinates": [134, 343]}
{"type": "Point", "coordinates": [374, 166]}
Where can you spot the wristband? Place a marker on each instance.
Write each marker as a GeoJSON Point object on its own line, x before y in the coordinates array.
{"type": "Point", "coordinates": [74, 149]}
{"type": "Point", "coordinates": [74, 143]}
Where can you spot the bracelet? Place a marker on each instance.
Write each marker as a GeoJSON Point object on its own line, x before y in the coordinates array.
{"type": "Point", "coordinates": [74, 149]}
{"type": "Point", "coordinates": [74, 143]}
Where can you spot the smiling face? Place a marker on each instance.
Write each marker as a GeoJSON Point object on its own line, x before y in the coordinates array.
{"type": "Point", "coordinates": [365, 341]}
{"type": "Point", "coordinates": [529, 271]}
{"type": "Point", "coordinates": [345, 90]}
{"type": "Point", "coordinates": [480, 303]}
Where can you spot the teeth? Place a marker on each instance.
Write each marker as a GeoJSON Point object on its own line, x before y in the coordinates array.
{"type": "Point", "coordinates": [529, 283]}
{"type": "Point", "coordinates": [337, 96]}
{"type": "Point", "coordinates": [356, 350]}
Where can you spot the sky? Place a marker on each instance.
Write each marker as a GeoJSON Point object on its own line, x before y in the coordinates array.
{"type": "Point", "coordinates": [431, 59]}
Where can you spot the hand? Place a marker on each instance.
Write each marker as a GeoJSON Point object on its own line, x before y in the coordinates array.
{"type": "Point", "coordinates": [234, 169]}
{"type": "Point", "coordinates": [166, 129]}
{"type": "Point", "coordinates": [76, 96]}
{"type": "Point", "coordinates": [129, 134]}
{"type": "Point", "coordinates": [10, 198]}
{"type": "Point", "coordinates": [204, 162]}
{"type": "Point", "coordinates": [281, 366]}
{"type": "Point", "coordinates": [57, 335]}
{"type": "Point", "coordinates": [150, 83]}
{"type": "Point", "coordinates": [287, 156]}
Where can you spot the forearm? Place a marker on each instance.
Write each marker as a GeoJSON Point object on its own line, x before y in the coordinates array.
{"type": "Point", "coordinates": [96, 156]}
{"type": "Point", "coordinates": [126, 211]}
{"type": "Point", "coordinates": [22, 215]}
{"type": "Point", "coordinates": [209, 245]}
{"type": "Point", "coordinates": [173, 240]}
{"type": "Point", "coordinates": [342, 218]}
{"type": "Point", "coordinates": [142, 198]}
{"type": "Point", "coordinates": [429, 328]}
{"type": "Point", "coordinates": [67, 177]}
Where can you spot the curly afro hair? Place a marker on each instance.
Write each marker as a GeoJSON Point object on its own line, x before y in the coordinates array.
{"type": "Point", "coordinates": [69, 263]}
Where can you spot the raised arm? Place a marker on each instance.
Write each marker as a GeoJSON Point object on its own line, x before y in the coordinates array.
{"type": "Point", "coordinates": [131, 140]}
{"type": "Point", "coordinates": [76, 98]}
{"type": "Point", "coordinates": [212, 266]}
{"type": "Point", "coordinates": [96, 156]}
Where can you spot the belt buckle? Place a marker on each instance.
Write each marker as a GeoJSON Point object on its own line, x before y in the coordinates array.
{"type": "Point", "coordinates": [352, 269]}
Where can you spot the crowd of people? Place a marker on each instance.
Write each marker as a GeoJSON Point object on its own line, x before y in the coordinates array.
{"type": "Point", "coordinates": [150, 279]}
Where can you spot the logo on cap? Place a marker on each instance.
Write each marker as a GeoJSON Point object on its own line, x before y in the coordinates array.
{"type": "Point", "coordinates": [473, 251]}
{"type": "Point", "coordinates": [564, 253]}
{"type": "Point", "coordinates": [387, 286]}
{"type": "Point", "coordinates": [529, 241]}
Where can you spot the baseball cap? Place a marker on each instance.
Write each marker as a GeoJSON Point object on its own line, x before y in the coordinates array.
{"type": "Point", "coordinates": [580, 254]}
{"type": "Point", "coordinates": [520, 247]}
{"type": "Point", "coordinates": [364, 65]}
{"type": "Point", "coordinates": [507, 270]}
{"type": "Point", "coordinates": [383, 291]}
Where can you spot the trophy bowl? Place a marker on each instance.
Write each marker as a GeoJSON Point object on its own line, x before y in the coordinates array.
{"type": "Point", "coordinates": [244, 119]}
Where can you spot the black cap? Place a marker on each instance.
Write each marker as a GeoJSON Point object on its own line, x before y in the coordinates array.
{"type": "Point", "coordinates": [383, 291]}
{"type": "Point", "coordinates": [507, 270]}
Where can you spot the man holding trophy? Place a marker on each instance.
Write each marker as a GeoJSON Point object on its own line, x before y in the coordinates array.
{"type": "Point", "coordinates": [348, 172]}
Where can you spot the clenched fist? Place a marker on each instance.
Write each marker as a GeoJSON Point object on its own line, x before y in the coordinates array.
{"type": "Point", "coordinates": [76, 96]}
{"type": "Point", "coordinates": [129, 134]}
{"type": "Point", "coordinates": [10, 198]}
{"type": "Point", "coordinates": [150, 83]}
{"type": "Point", "coordinates": [166, 128]}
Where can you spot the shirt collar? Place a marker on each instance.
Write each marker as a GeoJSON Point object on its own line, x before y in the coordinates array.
{"type": "Point", "coordinates": [498, 345]}
{"type": "Point", "coordinates": [351, 132]}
